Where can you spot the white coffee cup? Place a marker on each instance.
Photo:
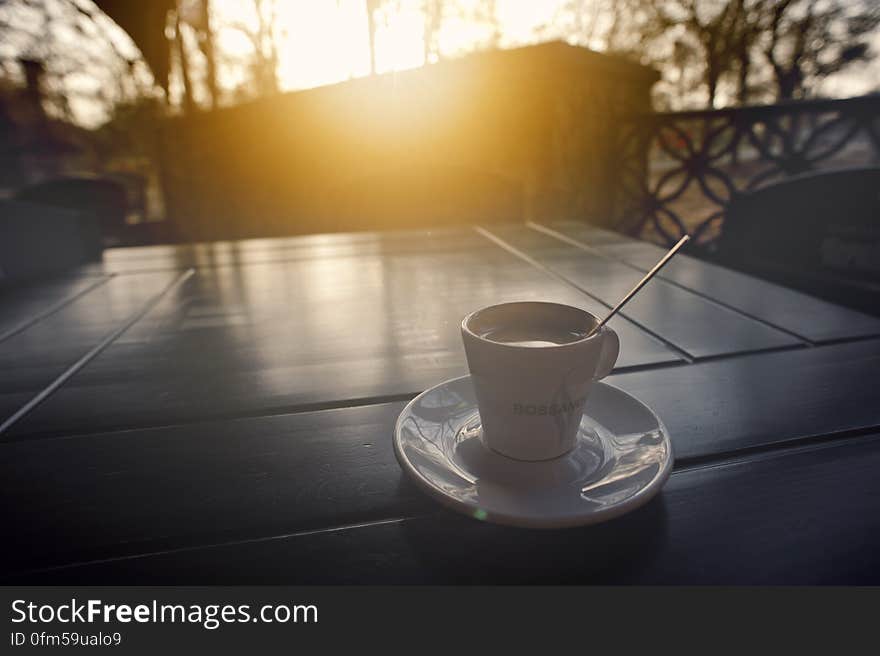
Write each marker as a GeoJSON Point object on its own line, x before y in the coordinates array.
{"type": "Point", "coordinates": [532, 367]}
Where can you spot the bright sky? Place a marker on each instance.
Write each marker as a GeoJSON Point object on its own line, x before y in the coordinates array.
{"type": "Point", "coordinates": [325, 41]}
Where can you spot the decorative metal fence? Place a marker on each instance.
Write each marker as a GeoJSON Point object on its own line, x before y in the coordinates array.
{"type": "Point", "coordinates": [677, 171]}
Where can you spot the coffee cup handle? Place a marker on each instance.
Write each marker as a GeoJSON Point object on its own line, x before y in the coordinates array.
{"type": "Point", "coordinates": [610, 351]}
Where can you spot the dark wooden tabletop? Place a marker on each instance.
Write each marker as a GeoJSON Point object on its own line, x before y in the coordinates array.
{"type": "Point", "coordinates": [222, 413]}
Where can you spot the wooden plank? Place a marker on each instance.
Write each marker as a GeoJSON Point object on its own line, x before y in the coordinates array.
{"type": "Point", "coordinates": [11, 401]}
{"type": "Point", "coordinates": [724, 406]}
{"type": "Point", "coordinates": [285, 249]}
{"type": "Point", "coordinates": [810, 516]}
{"type": "Point", "coordinates": [809, 317]}
{"type": "Point", "coordinates": [697, 326]}
{"type": "Point", "coordinates": [272, 337]}
{"type": "Point", "coordinates": [32, 358]}
{"type": "Point", "coordinates": [26, 303]}
{"type": "Point", "coordinates": [129, 492]}
{"type": "Point", "coordinates": [106, 494]}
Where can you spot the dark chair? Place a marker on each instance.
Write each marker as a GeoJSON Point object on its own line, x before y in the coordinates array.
{"type": "Point", "coordinates": [38, 240]}
{"type": "Point", "coordinates": [106, 199]}
{"type": "Point", "coordinates": [819, 233]}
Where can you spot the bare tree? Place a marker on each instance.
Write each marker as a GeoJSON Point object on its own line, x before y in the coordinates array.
{"type": "Point", "coordinates": [748, 29]}
{"type": "Point", "coordinates": [266, 46]}
{"type": "Point", "coordinates": [372, 7]}
{"type": "Point", "coordinates": [433, 11]}
{"type": "Point", "coordinates": [714, 25]}
{"type": "Point", "coordinates": [807, 41]}
{"type": "Point", "coordinates": [582, 18]}
{"type": "Point", "coordinates": [734, 42]}
{"type": "Point", "coordinates": [206, 44]}
{"type": "Point", "coordinates": [487, 13]}
{"type": "Point", "coordinates": [264, 43]}
{"type": "Point", "coordinates": [183, 60]}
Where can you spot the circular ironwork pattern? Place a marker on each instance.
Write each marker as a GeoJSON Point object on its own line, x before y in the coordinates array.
{"type": "Point", "coordinates": [678, 171]}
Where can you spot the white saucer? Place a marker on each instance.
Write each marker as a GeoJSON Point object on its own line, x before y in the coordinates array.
{"type": "Point", "coordinates": [622, 458]}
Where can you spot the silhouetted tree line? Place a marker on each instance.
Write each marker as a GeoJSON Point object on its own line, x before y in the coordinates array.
{"type": "Point", "coordinates": [745, 50]}
{"type": "Point", "coordinates": [710, 52]}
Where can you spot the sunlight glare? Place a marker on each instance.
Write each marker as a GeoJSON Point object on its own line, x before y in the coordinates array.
{"type": "Point", "coordinates": [399, 44]}
{"type": "Point", "coordinates": [323, 42]}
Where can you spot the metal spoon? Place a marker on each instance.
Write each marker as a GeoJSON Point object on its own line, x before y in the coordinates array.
{"type": "Point", "coordinates": [641, 283]}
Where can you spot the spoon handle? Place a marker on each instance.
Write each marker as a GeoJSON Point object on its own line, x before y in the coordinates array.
{"type": "Point", "coordinates": [642, 282]}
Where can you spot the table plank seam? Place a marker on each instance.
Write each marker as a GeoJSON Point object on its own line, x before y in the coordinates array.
{"type": "Point", "coordinates": [847, 340]}
{"type": "Point", "coordinates": [753, 351]}
{"type": "Point", "coordinates": [56, 384]}
{"type": "Point", "coordinates": [215, 545]}
{"type": "Point", "coordinates": [52, 309]}
{"type": "Point", "coordinates": [305, 408]}
{"type": "Point", "coordinates": [777, 349]}
{"type": "Point", "coordinates": [600, 253]}
{"type": "Point", "coordinates": [772, 451]}
{"type": "Point", "coordinates": [276, 411]}
{"type": "Point", "coordinates": [232, 265]}
{"type": "Point", "coordinates": [684, 355]}
{"type": "Point", "coordinates": [342, 404]}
